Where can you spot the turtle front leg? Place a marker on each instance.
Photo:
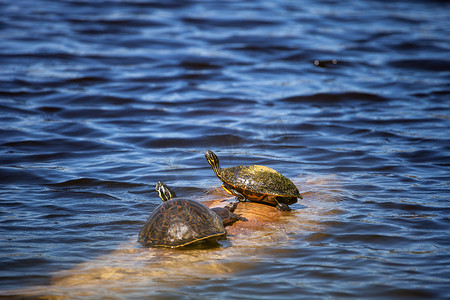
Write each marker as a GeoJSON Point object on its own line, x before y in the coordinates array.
{"type": "Point", "coordinates": [239, 197]}
{"type": "Point", "coordinates": [233, 192]}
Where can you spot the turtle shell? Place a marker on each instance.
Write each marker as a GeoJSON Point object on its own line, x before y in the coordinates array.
{"type": "Point", "coordinates": [180, 222]}
{"type": "Point", "coordinates": [260, 184]}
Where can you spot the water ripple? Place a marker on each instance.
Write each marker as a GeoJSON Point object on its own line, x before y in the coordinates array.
{"type": "Point", "coordinates": [101, 99]}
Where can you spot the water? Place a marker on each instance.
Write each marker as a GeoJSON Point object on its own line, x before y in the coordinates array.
{"type": "Point", "coordinates": [101, 99]}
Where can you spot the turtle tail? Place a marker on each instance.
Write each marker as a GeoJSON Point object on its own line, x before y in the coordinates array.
{"type": "Point", "coordinates": [213, 161]}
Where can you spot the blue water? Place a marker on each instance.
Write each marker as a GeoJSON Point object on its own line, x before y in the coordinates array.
{"type": "Point", "coordinates": [101, 99]}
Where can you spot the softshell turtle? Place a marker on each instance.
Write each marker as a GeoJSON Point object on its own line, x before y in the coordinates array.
{"type": "Point", "coordinates": [256, 183]}
{"type": "Point", "coordinates": [179, 222]}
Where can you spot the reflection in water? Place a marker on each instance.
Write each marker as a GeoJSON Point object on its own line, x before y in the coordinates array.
{"type": "Point", "coordinates": [154, 271]}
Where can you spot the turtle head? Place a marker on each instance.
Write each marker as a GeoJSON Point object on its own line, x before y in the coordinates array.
{"type": "Point", "coordinates": [213, 161]}
{"type": "Point", "coordinates": [164, 192]}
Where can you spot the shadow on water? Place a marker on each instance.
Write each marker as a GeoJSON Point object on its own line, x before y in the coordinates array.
{"type": "Point", "coordinates": [134, 270]}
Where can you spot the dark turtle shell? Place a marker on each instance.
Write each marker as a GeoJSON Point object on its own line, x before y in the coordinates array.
{"type": "Point", "coordinates": [180, 222]}
{"type": "Point", "coordinates": [260, 184]}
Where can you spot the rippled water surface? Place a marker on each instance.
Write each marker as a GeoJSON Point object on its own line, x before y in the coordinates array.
{"type": "Point", "coordinates": [101, 99]}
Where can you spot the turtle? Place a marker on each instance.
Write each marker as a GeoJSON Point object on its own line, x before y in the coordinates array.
{"type": "Point", "coordinates": [180, 222]}
{"type": "Point", "coordinates": [225, 213]}
{"type": "Point", "coordinates": [256, 183]}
